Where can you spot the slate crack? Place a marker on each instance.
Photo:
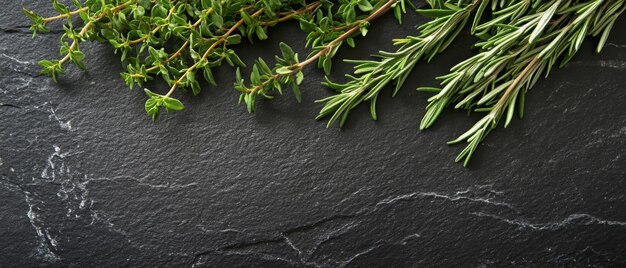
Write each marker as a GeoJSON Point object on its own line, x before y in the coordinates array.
{"type": "Point", "coordinates": [465, 195]}
{"type": "Point", "coordinates": [232, 250]}
{"type": "Point", "coordinates": [359, 254]}
{"type": "Point", "coordinates": [303, 256]}
{"type": "Point", "coordinates": [322, 239]}
{"type": "Point", "coordinates": [10, 105]}
{"type": "Point", "coordinates": [250, 244]}
{"type": "Point", "coordinates": [480, 194]}
{"type": "Point", "coordinates": [588, 254]}
{"type": "Point", "coordinates": [142, 182]}
{"type": "Point", "coordinates": [312, 225]}
{"type": "Point", "coordinates": [571, 220]}
{"type": "Point", "coordinates": [303, 259]}
{"type": "Point", "coordinates": [262, 256]}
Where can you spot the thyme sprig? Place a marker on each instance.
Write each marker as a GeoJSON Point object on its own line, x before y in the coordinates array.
{"type": "Point", "coordinates": [288, 69]}
{"type": "Point", "coordinates": [204, 33]}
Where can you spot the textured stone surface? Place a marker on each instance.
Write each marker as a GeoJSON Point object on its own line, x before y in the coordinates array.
{"type": "Point", "coordinates": [87, 179]}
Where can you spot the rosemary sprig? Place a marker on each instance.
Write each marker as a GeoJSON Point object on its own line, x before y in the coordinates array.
{"type": "Point", "coordinates": [371, 76]}
{"type": "Point", "coordinates": [497, 80]}
{"type": "Point", "coordinates": [520, 41]}
{"type": "Point", "coordinates": [482, 69]}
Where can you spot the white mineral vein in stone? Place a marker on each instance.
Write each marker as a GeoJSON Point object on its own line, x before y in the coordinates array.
{"type": "Point", "coordinates": [609, 64]}
{"type": "Point", "coordinates": [49, 170]}
{"type": "Point", "coordinates": [319, 240]}
{"type": "Point", "coordinates": [612, 64]}
{"type": "Point", "coordinates": [615, 45]}
{"type": "Point", "coordinates": [348, 261]}
{"type": "Point", "coordinates": [64, 125]}
{"type": "Point", "coordinates": [407, 238]}
{"type": "Point", "coordinates": [573, 219]}
{"type": "Point", "coordinates": [458, 196]}
{"type": "Point", "coordinates": [16, 59]}
{"type": "Point", "coordinates": [301, 255]}
{"type": "Point", "coordinates": [45, 240]}
{"type": "Point", "coordinates": [15, 64]}
{"type": "Point", "coordinates": [74, 190]}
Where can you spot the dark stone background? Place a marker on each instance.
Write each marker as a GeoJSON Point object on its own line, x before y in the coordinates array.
{"type": "Point", "coordinates": [88, 180]}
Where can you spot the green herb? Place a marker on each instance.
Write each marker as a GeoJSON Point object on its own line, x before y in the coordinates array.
{"type": "Point", "coordinates": [204, 33]}
{"type": "Point", "coordinates": [325, 36]}
{"type": "Point", "coordinates": [371, 76]}
{"type": "Point", "coordinates": [519, 40]}
{"type": "Point", "coordinates": [520, 44]}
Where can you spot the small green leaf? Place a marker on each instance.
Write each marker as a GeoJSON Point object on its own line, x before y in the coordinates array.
{"type": "Point", "coordinates": [208, 75]}
{"type": "Point", "coordinates": [363, 31]}
{"type": "Point", "coordinates": [255, 76]}
{"type": "Point", "coordinates": [260, 33]}
{"type": "Point", "coordinates": [283, 70]}
{"type": "Point", "coordinates": [152, 107]}
{"type": "Point", "coordinates": [233, 39]}
{"type": "Point", "coordinates": [62, 9]}
{"type": "Point", "coordinates": [350, 41]}
{"type": "Point", "coordinates": [217, 20]}
{"type": "Point", "coordinates": [365, 6]}
{"type": "Point", "coordinates": [299, 78]}
{"type": "Point", "coordinates": [77, 58]}
{"type": "Point", "coordinates": [286, 51]}
{"type": "Point", "coordinates": [235, 58]}
{"type": "Point", "coordinates": [150, 93]}
{"type": "Point", "coordinates": [327, 64]}
{"type": "Point", "coordinates": [139, 12]}
{"type": "Point", "coordinates": [296, 92]}
{"type": "Point", "coordinates": [173, 104]}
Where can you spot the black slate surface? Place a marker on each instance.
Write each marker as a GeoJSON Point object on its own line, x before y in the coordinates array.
{"type": "Point", "coordinates": [88, 180]}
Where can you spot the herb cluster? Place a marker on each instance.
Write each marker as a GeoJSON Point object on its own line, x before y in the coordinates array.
{"type": "Point", "coordinates": [204, 34]}
{"type": "Point", "coordinates": [520, 41]}
{"type": "Point", "coordinates": [179, 40]}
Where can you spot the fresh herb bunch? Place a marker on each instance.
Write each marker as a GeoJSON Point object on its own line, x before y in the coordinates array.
{"type": "Point", "coordinates": [177, 39]}
{"type": "Point", "coordinates": [519, 42]}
